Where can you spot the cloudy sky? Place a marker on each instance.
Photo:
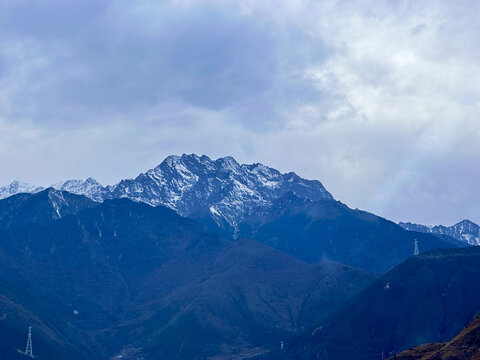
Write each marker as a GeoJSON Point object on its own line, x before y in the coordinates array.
{"type": "Point", "coordinates": [380, 100]}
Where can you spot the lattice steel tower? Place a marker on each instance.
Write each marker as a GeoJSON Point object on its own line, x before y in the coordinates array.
{"type": "Point", "coordinates": [28, 349]}
{"type": "Point", "coordinates": [415, 249]}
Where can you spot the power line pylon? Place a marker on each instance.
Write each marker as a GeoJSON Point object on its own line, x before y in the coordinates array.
{"type": "Point", "coordinates": [29, 349]}
{"type": "Point", "coordinates": [415, 249]}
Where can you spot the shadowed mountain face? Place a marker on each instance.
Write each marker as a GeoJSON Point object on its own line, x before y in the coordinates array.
{"type": "Point", "coordinates": [142, 282]}
{"type": "Point", "coordinates": [314, 230]}
{"type": "Point", "coordinates": [465, 346]}
{"type": "Point", "coordinates": [40, 208]}
{"type": "Point", "coordinates": [428, 298]}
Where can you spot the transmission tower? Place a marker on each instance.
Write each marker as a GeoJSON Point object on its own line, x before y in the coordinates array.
{"type": "Point", "coordinates": [415, 249]}
{"type": "Point", "coordinates": [28, 349]}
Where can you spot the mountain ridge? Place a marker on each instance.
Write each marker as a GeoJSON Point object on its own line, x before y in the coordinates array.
{"type": "Point", "coordinates": [465, 230]}
{"type": "Point", "coordinates": [190, 184]}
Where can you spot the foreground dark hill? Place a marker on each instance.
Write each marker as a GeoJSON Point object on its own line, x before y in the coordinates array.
{"type": "Point", "coordinates": [465, 346]}
{"type": "Point", "coordinates": [314, 230]}
{"type": "Point", "coordinates": [143, 282]}
{"type": "Point", "coordinates": [18, 311]}
{"type": "Point", "coordinates": [428, 298]}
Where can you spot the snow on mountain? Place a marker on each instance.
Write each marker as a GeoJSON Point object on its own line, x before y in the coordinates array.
{"type": "Point", "coordinates": [465, 230]}
{"type": "Point", "coordinates": [17, 187]}
{"type": "Point", "coordinates": [90, 188]}
{"type": "Point", "coordinates": [193, 185]}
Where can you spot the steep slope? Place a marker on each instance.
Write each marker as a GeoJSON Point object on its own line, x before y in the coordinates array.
{"type": "Point", "coordinates": [143, 282]}
{"type": "Point", "coordinates": [256, 299]}
{"type": "Point", "coordinates": [40, 208]}
{"type": "Point", "coordinates": [428, 298]}
{"type": "Point", "coordinates": [465, 230]}
{"type": "Point", "coordinates": [465, 346]}
{"type": "Point", "coordinates": [313, 230]}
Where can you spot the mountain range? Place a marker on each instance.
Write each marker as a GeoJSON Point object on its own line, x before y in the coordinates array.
{"type": "Point", "coordinates": [192, 184]}
{"type": "Point", "coordinates": [221, 190]}
{"type": "Point", "coordinates": [465, 230]}
{"type": "Point", "coordinates": [133, 281]}
{"type": "Point", "coordinates": [210, 259]}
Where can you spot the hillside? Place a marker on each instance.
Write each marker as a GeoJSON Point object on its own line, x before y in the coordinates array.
{"type": "Point", "coordinates": [465, 346]}
{"type": "Point", "coordinates": [315, 230]}
{"type": "Point", "coordinates": [141, 281]}
{"type": "Point", "coordinates": [428, 298]}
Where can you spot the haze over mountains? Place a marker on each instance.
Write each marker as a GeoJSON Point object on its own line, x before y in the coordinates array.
{"type": "Point", "coordinates": [210, 259]}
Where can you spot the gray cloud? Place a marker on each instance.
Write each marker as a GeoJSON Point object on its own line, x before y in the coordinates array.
{"type": "Point", "coordinates": [378, 99]}
{"type": "Point", "coordinates": [90, 60]}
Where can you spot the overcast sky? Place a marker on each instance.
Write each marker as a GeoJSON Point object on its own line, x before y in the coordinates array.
{"type": "Point", "coordinates": [379, 100]}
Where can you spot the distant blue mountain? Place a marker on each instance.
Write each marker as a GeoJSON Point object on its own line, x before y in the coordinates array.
{"type": "Point", "coordinates": [466, 231]}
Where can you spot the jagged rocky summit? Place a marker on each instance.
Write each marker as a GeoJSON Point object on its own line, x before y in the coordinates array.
{"type": "Point", "coordinates": [191, 184]}
{"type": "Point", "coordinates": [465, 230]}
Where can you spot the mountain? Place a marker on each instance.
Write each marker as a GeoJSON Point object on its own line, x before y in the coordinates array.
{"type": "Point", "coordinates": [465, 230]}
{"type": "Point", "coordinates": [190, 184]}
{"type": "Point", "coordinates": [40, 208]}
{"type": "Point", "coordinates": [314, 230]}
{"type": "Point", "coordinates": [465, 346]}
{"type": "Point", "coordinates": [17, 187]}
{"type": "Point", "coordinates": [90, 188]}
{"type": "Point", "coordinates": [428, 298]}
{"type": "Point", "coordinates": [136, 281]}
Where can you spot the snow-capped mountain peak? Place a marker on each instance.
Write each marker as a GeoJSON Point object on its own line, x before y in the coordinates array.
{"type": "Point", "coordinates": [192, 184]}
{"type": "Point", "coordinates": [17, 187]}
{"type": "Point", "coordinates": [89, 187]}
